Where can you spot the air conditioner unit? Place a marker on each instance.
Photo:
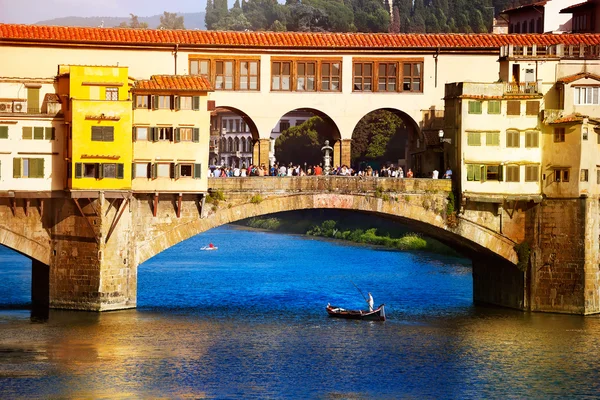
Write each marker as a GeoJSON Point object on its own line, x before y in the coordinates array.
{"type": "Point", "coordinates": [5, 107]}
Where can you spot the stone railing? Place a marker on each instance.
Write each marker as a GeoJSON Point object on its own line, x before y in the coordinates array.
{"type": "Point", "coordinates": [326, 184]}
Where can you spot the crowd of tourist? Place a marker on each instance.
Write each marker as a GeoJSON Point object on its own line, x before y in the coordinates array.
{"type": "Point", "coordinates": [281, 170]}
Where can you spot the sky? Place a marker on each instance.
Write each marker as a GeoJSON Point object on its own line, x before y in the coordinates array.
{"type": "Point", "coordinates": [31, 11]}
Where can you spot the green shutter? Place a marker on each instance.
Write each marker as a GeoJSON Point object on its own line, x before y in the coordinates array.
{"type": "Point", "coordinates": [27, 132]}
{"type": "Point", "coordinates": [155, 102]}
{"type": "Point", "coordinates": [33, 100]}
{"type": "Point", "coordinates": [500, 173]}
{"type": "Point", "coordinates": [154, 170]}
{"type": "Point", "coordinates": [177, 101]}
{"type": "Point", "coordinates": [197, 171]}
{"type": "Point", "coordinates": [172, 102]}
{"type": "Point", "coordinates": [16, 167]}
{"type": "Point", "coordinates": [177, 135]}
{"type": "Point", "coordinates": [196, 135]}
{"type": "Point", "coordinates": [34, 167]}
{"type": "Point", "coordinates": [470, 172]}
{"type": "Point", "coordinates": [477, 172]}
{"type": "Point", "coordinates": [38, 133]}
{"type": "Point", "coordinates": [155, 134]}
{"type": "Point", "coordinates": [3, 132]}
{"type": "Point", "coordinates": [177, 171]}
{"type": "Point", "coordinates": [483, 176]}
{"type": "Point", "coordinates": [196, 103]}
{"type": "Point", "coordinates": [172, 172]}
{"type": "Point", "coordinates": [50, 133]}
{"type": "Point", "coordinates": [120, 171]}
{"type": "Point", "coordinates": [99, 171]}
{"type": "Point", "coordinates": [78, 170]}
{"type": "Point", "coordinates": [494, 107]}
{"type": "Point", "coordinates": [474, 107]}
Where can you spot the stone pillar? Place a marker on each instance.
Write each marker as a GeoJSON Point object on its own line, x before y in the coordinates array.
{"type": "Point", "coordinates": [337, 154]}
{"type": "Point", "coordinates": [255, 151]}
{"type": "Point", "coordinates": [93, 265]}
{"type": "Point", "coordinates": [40, 285]}
{"type": "Point", "coordinates": [498, 282]}
{"type": "Point", "coordinates": [260, 152]}
{"type": "Point", "coordinates": [346, 152]}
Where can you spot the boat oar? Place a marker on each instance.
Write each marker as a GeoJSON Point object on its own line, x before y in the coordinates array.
{"type": "Point", "coordinates": [361, 293]}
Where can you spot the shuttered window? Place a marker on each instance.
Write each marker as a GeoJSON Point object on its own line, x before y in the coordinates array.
{"type": "Point", "coordinates": [492, 139]}
{"type": "Point", "coordinates": [494, 107]}
{"type": "Point", "coordinates": [532, 173]}
{"type": "Point", "coordinates": [28, 168]}
{"type": "Point", "coordinates": [532, 107]}
{"type": "Point", "coordinates": [474, 107]}
{"type": "Point", "coordinates": [513, 107]}
{"type": "Point", "coordinates": [3, 132]}
{"type": "Point", "coordinates": [513, 139]}
{"type": "Point", "coordinates": [33, 100]}
{"type": "Point", "coordinates": [197, 171]}
{"type": "Point", "coordinates": [513, 173]}
{"type": "Point", "coordinates": [474, 138]}
{"type": "Point", "coordinates": [196, 103]}
{"type": "Point", "coordinates": [532, 139]}
{"type": "Point", "coordinates": [27, 132]}
{"type": "Point", "coordinates": [196, 135]}
{"type": "Point", "coordinates": [38, 133]}
{"type": "Point", "coordinates": [103, 133]}
{"type": "Point", "coordinates": [559, 135]}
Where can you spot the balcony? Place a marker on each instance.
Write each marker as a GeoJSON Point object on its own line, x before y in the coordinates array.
{"type": "Point", "coordinates": [521, 88]}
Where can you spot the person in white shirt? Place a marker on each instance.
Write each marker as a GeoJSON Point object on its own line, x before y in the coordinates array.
{"type": "Point", "coordinates": [435, 174]}
{"type": "Point", "coordinates": [370, 302]}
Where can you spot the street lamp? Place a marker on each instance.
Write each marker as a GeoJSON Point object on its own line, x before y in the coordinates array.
{"type": "Point", "coordinates": [442, 139]}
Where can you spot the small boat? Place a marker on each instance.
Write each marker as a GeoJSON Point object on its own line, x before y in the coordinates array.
{"type": "Point", "coordinates": [209, 247]}
{"type": "Point", "coordinates": [377, 314]}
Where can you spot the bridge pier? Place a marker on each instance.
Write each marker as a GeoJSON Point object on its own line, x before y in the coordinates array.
{"type": "Point", "coordinates": [260, 152]}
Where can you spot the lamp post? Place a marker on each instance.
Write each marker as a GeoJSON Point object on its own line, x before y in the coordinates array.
{"type": "Point", "coordinates": [442, 138]}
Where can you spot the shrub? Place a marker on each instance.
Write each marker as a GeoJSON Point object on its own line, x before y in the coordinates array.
{"type": "Point", "coordinates": [256, 199]}
{"type": "Point", "coordinates": [523, 253]}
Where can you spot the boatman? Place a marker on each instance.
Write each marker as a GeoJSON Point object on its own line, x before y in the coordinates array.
{"type": "Point", "coordinates": [370, 302]}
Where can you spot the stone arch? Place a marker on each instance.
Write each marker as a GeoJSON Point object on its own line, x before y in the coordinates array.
{"type": "Point", "coordinates": [25, 245]}
{"type": "Point", "coordinates": [467, 236]}
{"type": "Point", "coordinates": [250, 124]}
{"type": "Point", "coordinates": [336, 135]}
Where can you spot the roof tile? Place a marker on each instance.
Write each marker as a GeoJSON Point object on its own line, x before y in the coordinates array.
{"type": "Point", "coordinates": [576, 77]}
{"type": "Point", "coordinates": [194, 83]}
{"type": "Point", "coordinates": [62, 34]}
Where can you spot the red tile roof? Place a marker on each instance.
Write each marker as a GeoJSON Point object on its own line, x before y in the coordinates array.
{"type": "Point", "coordinates": [190, 83]}
{"type": "Point", "coordinates": [541, 3]}
{"type": "Point", "coordinates": [573, 118]}
{"type": "Point", "coordinates": [576, 77]}
{"type": "Point", "coordinates": [574, 7]}
{"type": "Point", "coordinates": [194, 38]}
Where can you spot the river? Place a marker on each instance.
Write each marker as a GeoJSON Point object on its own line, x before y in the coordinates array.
{"type": "Point", "coordinates": [249, 321]}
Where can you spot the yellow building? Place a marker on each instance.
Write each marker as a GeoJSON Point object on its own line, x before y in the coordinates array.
{"type": "Point", "coordinates": [171, 133]}
{"type": "Point", "coordinates": [99, 114]}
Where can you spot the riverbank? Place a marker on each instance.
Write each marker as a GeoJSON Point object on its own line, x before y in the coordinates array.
{"type": "Point", "coordinates": [357, 229]}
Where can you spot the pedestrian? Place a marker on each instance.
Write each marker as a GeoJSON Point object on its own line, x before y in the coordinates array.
{"type": "Point", "coordinates": [448, 174]}
{"type": "Point", "coordinates": [409, 174]}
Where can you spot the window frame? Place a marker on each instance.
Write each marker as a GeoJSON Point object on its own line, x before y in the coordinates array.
{"type": "Point", "coordinates": [306, 75]}
{"type": "Point", "coordinates": [495, 136]}
{"type": "Point", "coordinates": [587, 92]}
{"type": "Point", "coordinates": [513, 173]}
{"type": "Point", "coordinates": [491, 110]}
{"type": "Point", "coordinates": [332, 79]}
{"type": "Point", "coordinates": [473, 138]}
{"type": "Point", "coordinates": [23, 167]}
{"type": "Point", "coordinates": [249, 75]}
{"type": "Point", "coordinates": [513, 108]}
{"type": "Point", "coordinates": [559, 135]}
{"type": "Point", "coordinates": [529, 173]}
{"type": "Point", "coordinates": [103, 133]}
{"type": "Point", "coordinates": [388, 79]}
{"type": "Point", "coordinates": [475, 107]}
{"type": "Point", "coordinates": [528, 139]}
{"type": "Point", "coordinates": [281, 63]}
{"type": "Point", "coordinates": [111, 93]}
{"type": "Point", "coordinates": [225, 74]}
{"type": "Point", "coordinates": [584, 175]}
{"type": "Point", "coordinates": [510, 141]}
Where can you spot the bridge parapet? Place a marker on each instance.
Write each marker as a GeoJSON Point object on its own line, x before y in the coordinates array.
{"type": "Point", "coordinates": [330, 184]}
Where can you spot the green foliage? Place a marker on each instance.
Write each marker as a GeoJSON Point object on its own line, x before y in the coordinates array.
{"type": "Point", "coordinates": [271, 224]}
{"type": "Point", "coordinates": [523, 253]}
{"type": "Point", "coordinates": [302, 143]}
{"type": "Point", "coordinates": [215, 197]}
{"type": "Point", "coordinates": [256, 199]}
{"type": "Point", "coordinates": [171, 21]}
{"type": "Point", "coordinates": [378, 136]}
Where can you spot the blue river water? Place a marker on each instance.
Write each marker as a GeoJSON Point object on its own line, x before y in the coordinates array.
{"type": "Point", "coordinates": [249, 321]}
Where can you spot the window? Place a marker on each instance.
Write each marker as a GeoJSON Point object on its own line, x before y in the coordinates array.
{"type": "Point", "coordinates": [141, 170]}
{"type": "Point", "coordinates": [363, 77]}
{"type": "Point", "coordinates": [494, 107]}
{"type": "Point", "coordinates": [89, 170]}
{"type": "Point", "coordinates": [224, 75]}
{"type": "Point", "coordinates": [112, 93]}
{"type": "Point", "coordinates": [411, 79]}
{"type": "Point", "coordinates": [184, 102]}
{"type": "Point", "coordinates": [474, 107]}
{"type": "Point", "coordinates": [583, 176]}
{"type": "Point", "coordinates": [284, 125]}
{"type": "Point", "coordinates": [28, 167]}
{"type": "Point", "coordinates": [141, 133]}
{"type": "Point", "coordinates": [109, 170]}
{"type": "Point", "coordinates": [164, 102]}
{"type": "Point", "coordinates": [532, 108]}
{"type": "Point", "coordinates": [559, 135]}
{"type": "Point", "coordinates": [103, 133]}
{"type": "Point", "coordinates": [513, 107]}
{"type": "Point", "coordinates": [330, 76]}
{"type": "Point", "coordinates": [200, 67]}
{"type": "Point", "coordinates": [512, 173]}
{"type": "Point", "coordinates": [163, 170]}
{"type": "Point", "coordinates": [33, 100]}
{"type": "Point", "coordinates": [164, 134]}
{"type": "Point", "coordinates": [3, 132]}
{"type": "Point", "coordinates": [142, 101]}
{"type": "Point", "coordinates": [513, 139]}
{"type": "Point", "coordinates": [249, 75]}
{"type": "Point", "coordinates": [306, 81]}
{"type": "Point", "coordinates": [185, 170]}
{"type": "Point", "coordinates": [492, 139]}
{"type": "Point", "coordinates": [493, 172]}
{"type": "Point", "coordinates": [185, 135]}
{"type": "Point", "coordinates": [584, 95]}
{"type": "Point", "coordinates": [280, 75]}
{"type": "Point", "coordinates": [387, 77]}
{"type": "Point", "coordinates": [473, 138]}
{"type": "Point", "coordinates": [561, 175]}
{"type": "Point", "coordinates": [478, 172]}
{"type": "Point", "coordinates": [98, 170]}
{"type": "Point", "coordinates": [532, 139]}
{"type": "Point", "coordinates": [532, 173]}
{"type": "Point", "coordinates": [36, 133]}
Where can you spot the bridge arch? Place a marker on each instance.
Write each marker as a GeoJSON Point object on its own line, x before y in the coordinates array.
{"type": "Point", "coordinates": [467, 237]}
{"type": "Point", "coordinates": [25, 245]}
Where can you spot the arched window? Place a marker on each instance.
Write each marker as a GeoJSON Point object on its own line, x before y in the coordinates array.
{"type": "Point", "coordinates": [223, 145]}
{"type": "Point", "coordinates": [230, 145]}
{"type": "Point", "coordinates": [237, 144]}
{"type": "Point", "coordinates": [243, 144]}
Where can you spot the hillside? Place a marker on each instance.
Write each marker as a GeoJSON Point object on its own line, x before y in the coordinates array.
{"type": "Point", "coordinates": [191, 21]}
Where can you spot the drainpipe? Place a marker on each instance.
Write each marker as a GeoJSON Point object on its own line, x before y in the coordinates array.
{"type": "Point", "coordinates": [435, 57]}
{"type": "Point", "coordinates": [175, 56]}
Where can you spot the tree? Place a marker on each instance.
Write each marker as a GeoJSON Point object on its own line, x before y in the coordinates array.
{"type": "Point", "coordinates": [171, 21]}
{"type": "Point", "coordinates": [262, 14]}
{"type": "Point", "coordinates": [395, 24]}
{"type": "Point", "coordinates": [302, 144]}
{"type": "Point", "coordinates": [134, 23]}
{"type": "Point", "coordinates": [378, 137]}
